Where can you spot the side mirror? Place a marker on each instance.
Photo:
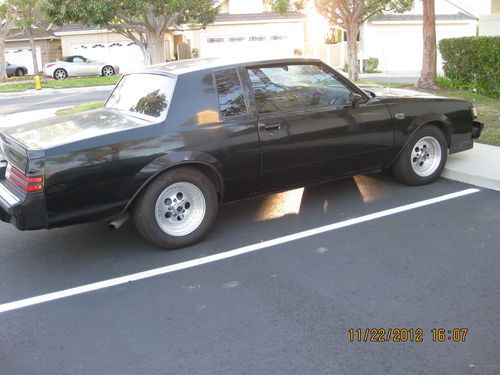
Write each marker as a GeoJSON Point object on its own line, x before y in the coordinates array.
{"type": "Point", "coordinates": [371, 93]}
{"type": "Point", "coordinates": [355, 100]}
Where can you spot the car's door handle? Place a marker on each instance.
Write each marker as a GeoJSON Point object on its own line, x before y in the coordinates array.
{"type": "Point", "coordinates": [271, 127]}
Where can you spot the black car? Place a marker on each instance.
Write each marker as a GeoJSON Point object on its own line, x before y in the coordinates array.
{"type": "Point", "coordinates": [176, 140]}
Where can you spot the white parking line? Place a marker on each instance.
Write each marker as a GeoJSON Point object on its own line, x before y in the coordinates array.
{"type": "Point", "coordinates": [225, 255]}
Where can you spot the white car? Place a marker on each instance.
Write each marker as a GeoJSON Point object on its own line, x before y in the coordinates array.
{"type": "Point", "coordinates": [76, 66]}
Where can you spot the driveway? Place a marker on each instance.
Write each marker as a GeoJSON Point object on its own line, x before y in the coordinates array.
{"type": "Point", "coordinates": [426, 257]}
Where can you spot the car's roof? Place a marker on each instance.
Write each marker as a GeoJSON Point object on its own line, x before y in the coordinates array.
{"type": "Point", "coordinates": [193, 65]}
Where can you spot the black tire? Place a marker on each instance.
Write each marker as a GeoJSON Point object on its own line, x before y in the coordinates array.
{"type": "Point", "coordinates": [19, 73]}
{"type": "Point", "coordinates": [111, 69]}
{"type": "Point", "coordinates": [144, 209]}
{"type": "Point", "coordinates": [60, 74]}
{"type": "Point", "coordinates": [404, 167]}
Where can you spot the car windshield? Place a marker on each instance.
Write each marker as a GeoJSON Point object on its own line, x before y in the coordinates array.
{"type": "Point", "coordinates": [144, 94]}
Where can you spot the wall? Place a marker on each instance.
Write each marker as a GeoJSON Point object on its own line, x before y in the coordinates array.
{"type": "Point", "coordinates": [490, 25]}
{"type": "Point", "coordinates": [246, 6]}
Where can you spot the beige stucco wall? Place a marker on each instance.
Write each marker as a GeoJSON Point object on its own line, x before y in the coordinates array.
{"type": "Point", "coordinates": [495, 6]}
{"type": "Point", "coordinates": [50, 49]}
{"type": "Point", "coordinates": [490, 25]}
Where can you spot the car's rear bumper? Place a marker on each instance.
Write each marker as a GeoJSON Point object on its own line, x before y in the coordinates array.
{"type": "Point", "coordinates": [477, 128]}
{"type": "Point", "coordinates": [25, 212]}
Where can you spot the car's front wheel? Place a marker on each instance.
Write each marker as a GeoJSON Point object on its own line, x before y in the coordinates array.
{"type": "Point", "coordinates": [108, 71]}
{"type": "Point", "coordinates": [60, 74]}
{"type": "Point", "coordinates": [177, 209]}
{"type": "Point", "coordinates": [423, 158]}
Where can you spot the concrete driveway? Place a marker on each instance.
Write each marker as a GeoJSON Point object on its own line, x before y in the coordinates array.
{"type": "Point", "coordinates": [426, 257]}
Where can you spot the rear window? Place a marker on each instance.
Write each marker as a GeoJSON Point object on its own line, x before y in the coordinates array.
{"type": "Point", "coordinates": [231, 99]}
{"type": "Point", "coordinates": [144, 94]}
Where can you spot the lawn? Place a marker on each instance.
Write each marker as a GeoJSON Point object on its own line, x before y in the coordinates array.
{"type": "Point", "coordinates": [62, 84]}
{"type": "Point", "coordinates": [488, 109]}
{"type": "Point", "coordinates": [80, 108]}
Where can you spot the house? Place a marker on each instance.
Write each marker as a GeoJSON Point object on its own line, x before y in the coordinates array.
{"type": "Point", "coordinates": [489, 24]}
{"type": "Point", "coordinates": [397, 41]}
{"type": "Point", "coordinates": [47, 45]}
{"type": "Point", "coordinates": [249, 27]}
{"type": "Point", "coordinates": [104, 45]}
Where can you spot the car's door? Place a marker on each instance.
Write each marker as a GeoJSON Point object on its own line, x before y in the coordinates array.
{"type": "Point", "coordinates": [309, 130]}
{"type": "Point", "coordinates": [81, 66]}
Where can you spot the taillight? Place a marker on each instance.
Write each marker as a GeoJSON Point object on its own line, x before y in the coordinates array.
{"type": "Point", "coordinates": [29, 184]}
{"type": "Point", "coordinates": [49, 65]}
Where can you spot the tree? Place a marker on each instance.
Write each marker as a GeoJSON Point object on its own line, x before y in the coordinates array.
{"type": "Point", "coordinates": [428, 74]}
{"type": "Point", "coordinates": [26, 16]}
{"type": "Point", "coordinates": [143, 21]}
{"type": "Point", "coordinates": [351, 14]}
{"type": "Point", "coordinates": [6, 26]}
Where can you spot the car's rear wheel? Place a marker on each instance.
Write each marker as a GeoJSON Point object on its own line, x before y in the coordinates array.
{"type": "Point", "coordinates": [177, 209]}
{"type": "Point", "coordinates": [60, 74]}
{"type": "Point", "coordinates": [423, 158]}
{"type": "Point", "coordinates": [108, 71]}
{"type": "Point", "coordinates": [19, 72]}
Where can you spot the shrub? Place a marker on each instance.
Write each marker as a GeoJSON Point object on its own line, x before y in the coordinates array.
{"type": "Point", "coordinates": [472, 63]}
{"type": "Point", "coordinates": [370, 65]}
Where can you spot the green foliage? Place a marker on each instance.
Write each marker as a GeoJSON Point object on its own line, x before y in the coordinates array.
{"type": "Point", "coordinates": [285, 6]}
{"type": "Point", "coordinates": [348, 10]}
{"type": "Point", "coordinates": [132, 14]}
{"type": "Point", "coordinates": [370, 65]}
{"type": "Point", "coordinates": [472, 63]}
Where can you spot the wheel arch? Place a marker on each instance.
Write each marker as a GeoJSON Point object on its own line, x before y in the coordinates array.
{"type": "Point", "coordinates": [438, 120]}
{"type": "Point", "coordinates": [204, 167]}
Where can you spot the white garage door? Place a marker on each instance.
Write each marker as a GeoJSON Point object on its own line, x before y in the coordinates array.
{"type": "Point", "coordinates": [22, 56]}
{"type": "Point", "coordinates": [251, 45]}
{"type": "Point", "coordinates": [126, 54]}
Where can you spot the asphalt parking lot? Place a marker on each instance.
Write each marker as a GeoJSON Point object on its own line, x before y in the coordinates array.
{"type": "Point", "coordinates": [281, 309]}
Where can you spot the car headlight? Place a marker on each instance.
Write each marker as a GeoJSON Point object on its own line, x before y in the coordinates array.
{"type": "Point", "coordinates": [473, 112]}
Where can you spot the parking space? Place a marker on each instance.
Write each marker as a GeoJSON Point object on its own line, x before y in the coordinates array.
{"type": "Point", "coordinates": [285, 308]}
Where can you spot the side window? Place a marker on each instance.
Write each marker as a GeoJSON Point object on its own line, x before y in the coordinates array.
{"type": "Point", "coordinates": [231, 99]}
{"type": "Point", "coordinates": [296, 87]}
{"type": "Point", "coordinates": [78, 59]}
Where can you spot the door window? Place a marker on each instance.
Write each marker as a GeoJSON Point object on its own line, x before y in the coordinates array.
{"type": "Point", "coordinates": [289, 88]}
{"type": "Point", "coordinates": [231, 99]}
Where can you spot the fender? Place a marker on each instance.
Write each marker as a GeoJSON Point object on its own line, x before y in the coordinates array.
{"type": "Point", "coordinates": [175, 159]}
{"type": "Point", "coordinates": [442, 121]}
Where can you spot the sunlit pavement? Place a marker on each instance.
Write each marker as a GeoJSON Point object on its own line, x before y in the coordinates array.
{"type": "Point", "coordinates": [284, 309]}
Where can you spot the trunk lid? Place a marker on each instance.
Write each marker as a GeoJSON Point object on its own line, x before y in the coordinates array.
{"type": "Point", "coordinates": [57, 131]}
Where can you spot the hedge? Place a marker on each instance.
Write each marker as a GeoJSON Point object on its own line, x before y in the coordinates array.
{"type": "Point", "coordinates": [473, 63]}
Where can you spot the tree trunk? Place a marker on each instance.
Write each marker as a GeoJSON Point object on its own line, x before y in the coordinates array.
{"type": "Point", "coordinates": [3, 72]}
{"type": "Point", "coordinates": [352, 51]}
{"type": "Point", "coordinates": [156, 46]}
{"type": "Point", "coordinates": [428, 74]}
{"type": "Point", "coordinates": [5, 27]}
{"type": "Point", "coordinates": [33, 51]}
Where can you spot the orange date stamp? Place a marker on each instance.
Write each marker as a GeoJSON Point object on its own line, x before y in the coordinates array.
{"type": "Point", "coordinates": [416, 335]}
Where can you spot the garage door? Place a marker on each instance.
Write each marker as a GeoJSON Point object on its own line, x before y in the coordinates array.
{"type": "Point", "coordinates": [22, 56]}
{"type": "Point", "coordinates": [126, 54]}
{"type": "Point", "coordinates": [237, 45]}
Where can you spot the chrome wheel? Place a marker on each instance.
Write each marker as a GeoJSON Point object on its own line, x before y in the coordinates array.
{"type": "Point", "coordinates": [180, 209]}
{"type": "Point", "coordinates": [426, 156]}
{"type": "Point", "coordinates": [108, 71]}
{"type": "Point", "coordinates": [60, 74]}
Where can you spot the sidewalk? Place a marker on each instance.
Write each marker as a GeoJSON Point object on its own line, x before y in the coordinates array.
{"type": "Point", "coordinates": [479, 166]}
{"type": "Point", "coordinates": [33, 92]}
{"type": "Point", "coordinates": [14, 119]}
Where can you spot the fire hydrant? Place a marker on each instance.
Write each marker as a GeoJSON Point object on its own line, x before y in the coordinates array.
{"type": "Point", "coordinates": [38, 83]}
